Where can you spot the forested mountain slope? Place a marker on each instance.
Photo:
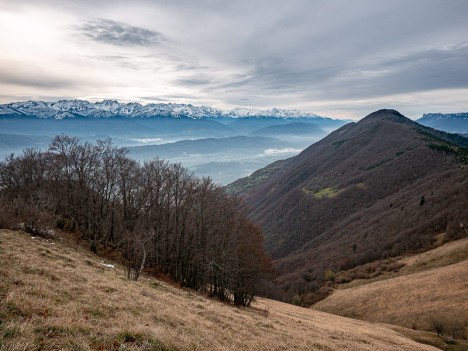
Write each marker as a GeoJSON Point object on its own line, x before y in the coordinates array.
{"type": "Point", "coordinates": [378, 188]}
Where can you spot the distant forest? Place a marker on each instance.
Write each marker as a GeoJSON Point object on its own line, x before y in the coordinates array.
{"type": "Point", "coordinates": [156, 214]}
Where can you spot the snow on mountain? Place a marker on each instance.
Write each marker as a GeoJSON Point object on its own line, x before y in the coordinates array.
{"type": "Point", "coordinates": [275, 112]}
{"type": "Point", "coordinates": [79, 107]}
{"type": "Point", "coordinates": [39, 109]}
{"type": "Point", "coordinates": [5, 110]}
{"type": "Point", "coordinates": [444, 116]}
{"type": "Point", "coordinates": [448, 122]}
{"type": "Point", "coordinates": [112, 108]}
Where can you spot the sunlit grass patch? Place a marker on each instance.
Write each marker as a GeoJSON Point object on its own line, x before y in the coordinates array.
{"type": "Point", "coordinates": [326, 193]}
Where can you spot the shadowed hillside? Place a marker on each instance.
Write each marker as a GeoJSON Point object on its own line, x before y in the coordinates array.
{"type": "Point", "coordinates": [379, 188]}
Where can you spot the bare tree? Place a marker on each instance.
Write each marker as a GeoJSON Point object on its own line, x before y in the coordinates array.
{"type": "Point", "coordinates": [157, 213]}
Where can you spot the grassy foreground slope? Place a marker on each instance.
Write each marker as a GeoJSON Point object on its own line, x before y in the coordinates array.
{"type": "Point", "coordinates": [430, 286]}
{"type": "Point", "coordinates": [55, 295]}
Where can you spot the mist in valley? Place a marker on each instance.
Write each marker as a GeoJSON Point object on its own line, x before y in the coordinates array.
{"type": "Point", "coordinates": [222, 149]}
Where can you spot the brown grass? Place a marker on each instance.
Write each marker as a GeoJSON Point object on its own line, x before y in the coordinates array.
{"type": "Point", "coordinates": [450, 253]}
{"type": "Point", "coordinates": [441, 256]}
{"type": "Point", "coordinates": [54, 296]}
{"type": "Point", "coordinates": [432, 285]}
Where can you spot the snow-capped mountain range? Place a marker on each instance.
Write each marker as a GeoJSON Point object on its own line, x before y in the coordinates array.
{"type": "Point", "coordinates": [445, 116]}
{"type": "Point", "coordinates": [110, 108]}
{"type": "Point", "coordinates": [449, 122]}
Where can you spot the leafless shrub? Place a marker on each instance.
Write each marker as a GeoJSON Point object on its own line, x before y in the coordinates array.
{"type": "Point", "coordinates": [456, 329]}
{"type": "Point", "coordinates": [439, 326]}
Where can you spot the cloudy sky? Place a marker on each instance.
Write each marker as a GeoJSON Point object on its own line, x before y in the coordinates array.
{"type": "Point", "coordinates": [336, 58]}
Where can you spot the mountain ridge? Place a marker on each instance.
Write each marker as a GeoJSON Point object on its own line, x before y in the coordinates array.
{"type": "Point", "coordinates": [449, 122]}
{"type": "Point", "coordinates": [111, 108]}
{"type": "Point", "coordinates": [435, 115]}
{"type": "Point", "coordinates": [292, 129]}
{"type": "Point", "coordinates": [376, 188]}
{"type": "Point", "coordinates": [239, 186]}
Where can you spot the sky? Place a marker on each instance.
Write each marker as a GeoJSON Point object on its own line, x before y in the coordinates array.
{"type": "Point", "coordinates": [336, 58]}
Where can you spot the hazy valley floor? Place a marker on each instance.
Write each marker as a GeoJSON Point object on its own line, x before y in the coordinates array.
{"type": "Point", "coordinates": [55, 295]}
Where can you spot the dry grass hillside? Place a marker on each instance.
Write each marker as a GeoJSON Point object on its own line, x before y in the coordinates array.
{"type": "Point", "coordinates": [55, 295]}
{"type": "Point", "coordinates": [431, 286]}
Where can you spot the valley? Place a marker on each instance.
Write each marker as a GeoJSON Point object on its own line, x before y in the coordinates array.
{"type": "Point", "coordinates": [223, 159]}
{"type": "Point", "coordinates": [223, 145]}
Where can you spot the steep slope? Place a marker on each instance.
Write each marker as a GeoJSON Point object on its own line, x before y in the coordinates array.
{"type": "Point", "coordinates": [373, 189]}
{"type": "Point", "coordinates": [243, 185]}
{"type": "Point", "coordinates": [429, 287]}
{"type": "Point", "coordinates": [57, 296]}
{"type": "Point", "coordinates": [449, 122]}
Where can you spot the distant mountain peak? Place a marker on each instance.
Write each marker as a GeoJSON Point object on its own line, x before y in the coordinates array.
{"type": "Point", "coordinates": [112, 108]}
{"type": "Point", "coordinates": [387, 115]}
{"type": "Point", "coordinates": [373, 189]}
{"type": "Point", "coordinates": [385, 112]}
{"type": "Point", "coordinates": [445, 116]}
{"type": "Point", "coordinates": [449, 122]}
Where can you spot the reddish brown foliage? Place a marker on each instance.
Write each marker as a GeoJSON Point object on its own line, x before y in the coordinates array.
{"type": "Point", "coordinates": [356, 197]}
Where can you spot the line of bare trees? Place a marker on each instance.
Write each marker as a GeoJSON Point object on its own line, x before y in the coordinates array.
{"type": "Point", "coordinates": [157, 213]}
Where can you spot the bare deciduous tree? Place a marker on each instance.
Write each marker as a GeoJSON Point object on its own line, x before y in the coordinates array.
{"type": "Point", "coordinates": [157, 213]}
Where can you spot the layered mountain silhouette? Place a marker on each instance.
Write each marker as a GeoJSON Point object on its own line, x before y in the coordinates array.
{"type": "Point", "coordinates": [293, 129]}
{"type": "Point", "coordinates": [381, 187]}
{"type": "Point", "coordinates": [449, 122]}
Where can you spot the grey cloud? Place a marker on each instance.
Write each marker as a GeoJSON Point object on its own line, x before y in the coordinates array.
{"type": "Point", "coordinates": [32, 78]}
{"type": "Point", "coordinates": [152, 98]}
{"type": "Point", "coordinates": [194, 81]}
{"type": "Point", "coordinates": [176, 98]}
{"type": "Point", "coordinates": [360, 78]}
{"type": "Point", "coordinates": [268, 53]}
{"type": "Point", "coordinates": [415, 71]}
{"type": "Point", "coordinates": [342, 51]}
{"type": "Point", "coordinates": [187, 66]}
{"type": "Point", "coordinates": [123, 61]}
{"type": "Point", "coordinates": [432, 54]}
{"type": "Point", "coordinates": [119, 33]}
